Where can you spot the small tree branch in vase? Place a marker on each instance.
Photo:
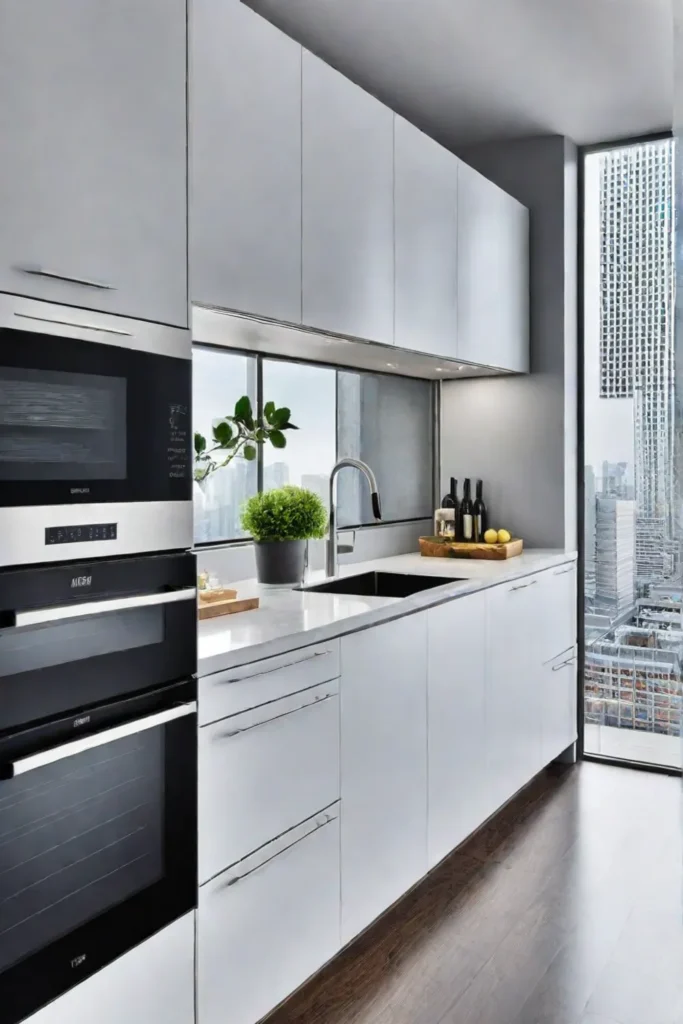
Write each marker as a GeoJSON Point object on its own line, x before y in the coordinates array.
{"type": "Point", "coordinates": [239, 436]}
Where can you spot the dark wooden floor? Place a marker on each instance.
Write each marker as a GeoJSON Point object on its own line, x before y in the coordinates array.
{"type": "Point", "coordinates": [564, 910]}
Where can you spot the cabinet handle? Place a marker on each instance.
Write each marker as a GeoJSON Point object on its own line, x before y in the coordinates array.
{"type": "Point", "coordinates": [289, 664]}
{"type": "Point", "coordinates": [564, 664]}
{"type": "Point", "coordinates": [275, 718]}
{"type": "Point", "coordinates": [318, 825]}
{"type": "Point", "coordinates": [70, 323]}
{"type": "Point", "coordinates": [523, 586]}
{"type": "Point", "coordinates": [87, 282]}
{"type": "Point", "coordinates": [563, 572]}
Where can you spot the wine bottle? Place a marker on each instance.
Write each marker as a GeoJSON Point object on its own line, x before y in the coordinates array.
{"type": "Point", "coordinates": [480, 514]}
{"type": "Point", "coordinates": [466, 513]}
{"type": "Point", "coordinates": [456, 506]}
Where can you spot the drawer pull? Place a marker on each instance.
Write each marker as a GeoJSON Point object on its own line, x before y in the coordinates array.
{"type": "Point", "coordinates": [563, 572]}
{"type": "Point", "coordinates": [87, 282]}
{"type": "Point", "coordinates": [278, 668]}
{"type": "Point", "coordinates": [71, 323]}
{"type": "Point", "coordinates": [523, 586]}
{"type": "Point", "coordinates": [318, 825]}
{"type": "Point", "coordinates": [564, 664]}
{"type": "Point", "coordinates": [275, 718]}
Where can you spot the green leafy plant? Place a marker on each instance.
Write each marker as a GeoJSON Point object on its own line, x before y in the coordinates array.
{"type": "Point", "coordinates": [285, 513]}
{"type": "Point", "coordinates": [240, 435]}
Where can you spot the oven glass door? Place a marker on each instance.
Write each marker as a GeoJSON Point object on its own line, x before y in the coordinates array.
{"type": "Point", "coordinates": [97, 842]}
{"type": "Point", "coordinates": [84, 421]}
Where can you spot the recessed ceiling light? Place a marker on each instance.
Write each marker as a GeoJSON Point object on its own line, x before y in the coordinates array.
{"type": "Point", "coordinates": [392, 365]}
{"type": "Point", "coordinates": [441, 369]}
{"type": "Point", "coordinates": [461, 367]}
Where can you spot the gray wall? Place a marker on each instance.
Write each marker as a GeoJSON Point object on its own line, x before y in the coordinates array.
{"type": "Point", "coordinates": [519, 433]}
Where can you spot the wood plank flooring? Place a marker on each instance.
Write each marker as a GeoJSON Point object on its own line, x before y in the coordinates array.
{"type": "Point", "coordinates": [566, 909]}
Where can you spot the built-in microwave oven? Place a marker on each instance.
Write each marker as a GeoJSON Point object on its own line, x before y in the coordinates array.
{"type": "Point", "coordinates": [95, 434]}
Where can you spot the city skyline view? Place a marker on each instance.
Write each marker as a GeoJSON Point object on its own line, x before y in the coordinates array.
{"type": "Point", "coordinates": [634, 640]}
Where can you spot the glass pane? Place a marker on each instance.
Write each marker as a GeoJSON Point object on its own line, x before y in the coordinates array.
{"type": "Point", "coordinates": [61, 426]}
{"type": "Point", "coordinates": [77, 837]}
{"type": "Point", "coordinates": [387, 422]}
{"type": "Point", "coordinates": [634, 641]}
{"type": "Point", "coordinates": [310, 393]}
{"type": "Point", "coordinates": [219, 379]}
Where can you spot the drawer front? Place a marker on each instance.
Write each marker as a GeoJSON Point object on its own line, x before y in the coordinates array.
{"type": "Point", "coordinates": [265, 927]}
{"type": "Point", "coordinates": [558, 705]}
{"type": "Point", "coordinates": [263, 772]}
{"type": "Point", "coordinates": [238, 689]}
{"type": "Point", "coordinates": [558, 610]}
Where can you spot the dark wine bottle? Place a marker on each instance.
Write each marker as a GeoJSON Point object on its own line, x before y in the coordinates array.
{"type": "Point", "coordinates": [480, 514]}
{"type": "Point", "coordinates": [466, 513]}
{"type": "Point", "coordinates": [456, 506]}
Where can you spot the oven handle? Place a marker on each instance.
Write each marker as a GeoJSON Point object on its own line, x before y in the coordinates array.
{"type": "Point", "coordinates": [117, 604]}
{"type": "Point", "coordinates": [98, 739]}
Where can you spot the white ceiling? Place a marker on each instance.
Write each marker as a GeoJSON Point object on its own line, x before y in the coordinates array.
{"type": "Point", "coordinates": [472, 70]}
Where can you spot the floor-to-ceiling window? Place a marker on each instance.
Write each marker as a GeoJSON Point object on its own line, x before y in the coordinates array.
{"type": "Point", "coordinates": [633, 610]}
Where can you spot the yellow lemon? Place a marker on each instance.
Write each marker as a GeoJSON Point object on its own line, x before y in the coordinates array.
{"type": "Point", "coordinates": [491, 536]}
{"type": "Point", "coordinates": [503, 537]}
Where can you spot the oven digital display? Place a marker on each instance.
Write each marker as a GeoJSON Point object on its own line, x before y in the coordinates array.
{"type": "Point", "coordinates": [80, 534]}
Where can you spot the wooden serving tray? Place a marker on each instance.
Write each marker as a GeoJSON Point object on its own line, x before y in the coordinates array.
{"type": "Point", "coordinates": [441, 547]}
{"type": "Point", "coordinates": [227, 606]}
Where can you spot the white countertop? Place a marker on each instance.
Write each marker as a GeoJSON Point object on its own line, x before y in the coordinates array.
{"type": "Point", "coordinates": [287, 619]}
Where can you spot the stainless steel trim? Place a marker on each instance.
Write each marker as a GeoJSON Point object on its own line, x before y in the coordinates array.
{"type": "Point", "coordinates": [99, 739]}
{"type": "Point", "coordinates": [563, 572]}
{"type": "Point", "coordinates": [275, 718]}
{"type": "Point", "coordinates": [70, 323]}
{"type": "Point", "coordinates": [88, 282]}
{"type": "Point", "coordinates": [523, 586]}
{"type": "Point", "coordinates": [318, 825]}
{"type": "Point", "coordinates": [117, 604]}
{"type": "Point", "coordinates": [288, 664]}
{"type": "Point", "coordinates": [41, 317]}
{"type": "Point", "coordinates": [141, 527]}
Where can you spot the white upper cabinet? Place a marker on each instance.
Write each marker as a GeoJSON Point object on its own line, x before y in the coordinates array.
{"type": "Point", "coordinates": [426, 243]}
{"type": "Point", "coordinates": [245, 210]}
{"type": "Point", "coordinates": [493, 274]}
{"type": "Point", "coordinates": [93, 177]}
{"type": "Point", "coordinates": [348, 206]}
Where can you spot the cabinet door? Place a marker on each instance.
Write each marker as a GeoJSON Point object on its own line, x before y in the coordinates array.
{"type": "Point", "coordinates": [426, 243]}
{"type": "Point", "coordinates": [93, 179]}
{"type": "Point", "coordinates": [459, 792]}
{"type": "Point", "coordinates": [383, 767]}
{"type": "Point", "coordinates": [558, 705]}
{"type": "Point", "coordinates": [348, 206]}
{"type": "Point", "coordinates": [557, 622]}
{"type": "Point", "coordinates": [153, 983]}
{"type": "Point", "coordinates": [266, 926]}
{"type": "Point", "coordinates": [493, 274]}
{"type": "Point", "coordinates": [245, 218]}
{"type": "Point", "coordinates": [513, 713]}
{"type": "Point", "coordinates": [263, 772]}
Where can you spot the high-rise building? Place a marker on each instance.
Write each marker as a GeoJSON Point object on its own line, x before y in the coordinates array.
{"type": "Point", "coordinates": [637, 277]}
{"type": "Point", "coordinates": [615, 551]}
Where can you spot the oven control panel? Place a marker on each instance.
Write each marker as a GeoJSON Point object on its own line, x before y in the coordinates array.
{"type": "Point", "coordinates": [80, 534]}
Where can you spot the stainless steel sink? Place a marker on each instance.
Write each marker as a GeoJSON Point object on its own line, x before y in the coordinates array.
{"type": "Point", "coordinates": [381, 584]}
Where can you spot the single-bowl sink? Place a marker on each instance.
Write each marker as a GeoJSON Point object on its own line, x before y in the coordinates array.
{"type": "Point", "coordinates": [380, 584]}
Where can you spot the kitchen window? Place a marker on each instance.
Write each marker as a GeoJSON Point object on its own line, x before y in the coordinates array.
{"type": "Point", "coordinates": [385, 420]}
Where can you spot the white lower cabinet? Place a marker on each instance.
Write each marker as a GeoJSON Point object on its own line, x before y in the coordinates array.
{"type": "Point", "coordinates": [460, 794]}
{"type": "Point", "coordinates": [153, 983]}
{"type": "Point", "coordinates": [558, 705]}
{"type": "Point", "coordinates": [264, 771]}
{"type": "Point", "coordinates": [267, 924]}
{"type": "Point", "coordinates": [383, 767]}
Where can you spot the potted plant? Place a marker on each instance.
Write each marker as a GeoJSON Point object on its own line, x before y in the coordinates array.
{"type": "Point", "coordinates": [239, 435]}
{"type": "Point", "coordinates": [281, 521]}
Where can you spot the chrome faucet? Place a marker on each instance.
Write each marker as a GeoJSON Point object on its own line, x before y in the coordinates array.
{"type": "Point", "coordinates": [331, 559]}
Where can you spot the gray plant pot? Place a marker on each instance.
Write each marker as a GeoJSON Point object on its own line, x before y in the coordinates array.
{"type": "Point", "coordinates": [280, 561]}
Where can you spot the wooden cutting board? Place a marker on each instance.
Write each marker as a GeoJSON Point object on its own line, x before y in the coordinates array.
{"type": "Point", "coordinates": [226, 606]}
{"type": "Point", "coordinates": [440, 547]}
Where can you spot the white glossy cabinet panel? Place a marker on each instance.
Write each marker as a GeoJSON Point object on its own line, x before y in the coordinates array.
{"type": "Point", "coordinates": [514, 675]}
{"type": "Point", "coordinates": [459, 789]}
{"type": "Point", "coordinates": [93, 178]}
{"type": "Point", "coordinates": [493, 274]}
{"type": "Point", "coordinates": [153, 983]}
{"type": "Point", "coordinates": [383, 767]}
{"type": "Point", "coordinates": [246, 162]}
{"type": "Point", "coordinates": [426, 242]}
{"type": "Point", "coordinates": [557, 611]}
{"type": "Point", "coordinates": [263, 772]}
{"type": "Point", "coordinates": [558, 705]}
{"type": "Point", "coordinates": [267, 925]}
{"type": "Point", "coordinates": [348, 206]}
